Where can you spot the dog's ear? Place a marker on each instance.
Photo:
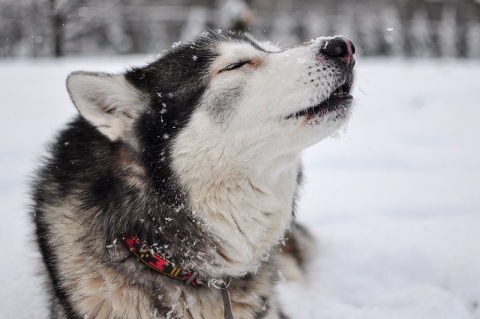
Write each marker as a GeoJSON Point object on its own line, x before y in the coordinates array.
{"type": "Point", "coordinates": [108, 101]}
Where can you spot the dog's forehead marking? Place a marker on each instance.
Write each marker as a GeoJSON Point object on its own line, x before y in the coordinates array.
{"type": "Point", "coordinates": [254, 45]}
{"type": "Point", "coordinates": [268, 46]}
{"type": "Point", "coordinates": [239, 51]}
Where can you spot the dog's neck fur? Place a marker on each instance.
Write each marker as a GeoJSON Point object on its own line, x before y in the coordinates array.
{"type": "Point", "coordinates": [247, 195]}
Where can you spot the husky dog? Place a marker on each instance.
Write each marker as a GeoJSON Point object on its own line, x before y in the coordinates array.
{"type": "Point", "coordinates": [180, 177]}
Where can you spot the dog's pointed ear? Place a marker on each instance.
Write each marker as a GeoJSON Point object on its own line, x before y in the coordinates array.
{"type": "Point", "coordinates": [108, 101]}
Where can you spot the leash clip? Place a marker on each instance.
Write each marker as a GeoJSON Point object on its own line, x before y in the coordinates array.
{"type": "Point", "coordinates": [223, 285]}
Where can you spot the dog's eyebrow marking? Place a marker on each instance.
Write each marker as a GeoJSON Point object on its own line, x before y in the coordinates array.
{"type": "Point", "coordinates": [265, 46]}
{"type": "Point", "coordinates": [252, 43]}
{"type": "Point", "coordinates": [257, 46]}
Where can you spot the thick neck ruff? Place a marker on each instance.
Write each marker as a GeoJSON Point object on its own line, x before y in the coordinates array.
{"type": "Point", "coordinates": [159, 263]}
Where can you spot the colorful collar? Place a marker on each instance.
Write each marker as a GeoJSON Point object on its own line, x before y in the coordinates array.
{"type": "Point", "coordinates": [161, 264]}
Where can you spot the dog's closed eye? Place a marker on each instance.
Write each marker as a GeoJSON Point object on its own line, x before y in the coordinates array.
{"type": "Point", "coordinates": [234, 66]}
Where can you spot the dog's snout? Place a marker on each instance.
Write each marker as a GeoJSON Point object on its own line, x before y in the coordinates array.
{"type": "Point", "coordinates": [340, 48]}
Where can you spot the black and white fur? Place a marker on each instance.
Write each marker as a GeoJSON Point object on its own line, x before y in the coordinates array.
{"type": "Point", "coordinates": [198, 154]}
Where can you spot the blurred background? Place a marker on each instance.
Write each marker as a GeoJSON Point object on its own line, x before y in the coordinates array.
{"type": "Point", "coordinates": [393, 203]}
{"type": "Point", "coordinates": [411, 28]}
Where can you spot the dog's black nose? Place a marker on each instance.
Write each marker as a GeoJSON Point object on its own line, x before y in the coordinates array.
{"type": "Point", "coordinates": [339, 48]}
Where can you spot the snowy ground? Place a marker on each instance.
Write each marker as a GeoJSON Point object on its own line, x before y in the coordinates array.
{"type": "Point", "coordinates": [394, 202]}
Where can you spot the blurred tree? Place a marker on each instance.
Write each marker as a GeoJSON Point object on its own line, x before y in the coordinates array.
{"type": "Point", "coordinates": [464, 14]}
{"type": "Point", "coordinates": [58, 21]}
{"type": "Point", "coordinates": [406, 12]}
{"type": "Point", "coordinates": [434, 12]}
{"type": "Point", "coordinates": [378, 27]}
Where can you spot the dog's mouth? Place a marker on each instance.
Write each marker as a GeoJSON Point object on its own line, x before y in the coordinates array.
{"type": "Point", "coordinates": [339, 99]}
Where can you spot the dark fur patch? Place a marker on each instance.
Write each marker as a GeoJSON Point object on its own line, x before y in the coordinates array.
{"type": "Point", "coordinates": [297, 243]}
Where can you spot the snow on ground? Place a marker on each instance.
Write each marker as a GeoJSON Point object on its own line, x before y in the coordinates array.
{"type": "Point", "coordinates": [394, 201]}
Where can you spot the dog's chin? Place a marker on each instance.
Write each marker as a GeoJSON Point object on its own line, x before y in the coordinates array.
{"type": "Point", "coordinates": [337, 106]}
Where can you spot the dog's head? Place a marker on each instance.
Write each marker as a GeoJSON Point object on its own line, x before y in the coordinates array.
{"type": "Point", "coordinates": [225, 91]}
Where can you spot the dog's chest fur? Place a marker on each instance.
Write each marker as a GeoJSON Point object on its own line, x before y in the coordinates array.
{"type": "Point", "coordinates": [243, 201]}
